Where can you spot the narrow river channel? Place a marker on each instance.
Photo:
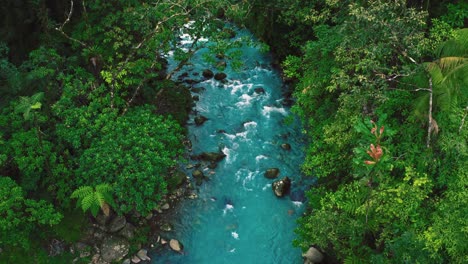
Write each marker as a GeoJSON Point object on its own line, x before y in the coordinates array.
{"type": "Point", "coordinates": [236, 217]}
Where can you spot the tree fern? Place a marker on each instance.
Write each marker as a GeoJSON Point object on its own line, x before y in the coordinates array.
{"type": "Point", "coordinates": [88, 202]}
{"type": "Point", "coordinates": [93, 199]}
{"type": "Point", "coordinates": [82, 192]}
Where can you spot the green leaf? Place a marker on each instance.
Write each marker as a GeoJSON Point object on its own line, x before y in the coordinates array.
{"type": "Point", "coordinates": [36, 105]}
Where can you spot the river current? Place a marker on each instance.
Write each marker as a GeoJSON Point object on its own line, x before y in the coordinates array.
{"type": "Point", "coordinates": [236, 217]}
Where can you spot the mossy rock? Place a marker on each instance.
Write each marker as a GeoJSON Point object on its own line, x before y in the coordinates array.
{"type": "Point", "coordinates": [175, 180]}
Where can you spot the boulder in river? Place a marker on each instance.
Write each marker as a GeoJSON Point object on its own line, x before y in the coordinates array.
{"type": "Point", "coordinates": [211, 156]}
{"type": "Point", "coordinates": [220, 76]}
{"type": "Point", "coordinates": [199, 120]}
{"type": "Point", "coordinates": [175, 245]}
{"type": "Point", "coordinates": [212, 165]}
{"type": "Point", "coordinates": [143, 254]}
{"type": "Point", "coordinates": [197, 89]}
{"type": "Point", "coordinates": [208, 74]}
{"type": "Point", "coordinates": [114, 248]}
{"type": "Point", "coordinates": [166, 227]}
{"type": "Point", "coordinates": [312, 255]}
{"type": "Point", "coordinates": [297, 195]}
{"type": "Point", "coordinates": [191, 81]}
{"type": "Point", "coordinates": [286, 146]}
{"type": "Point", "coordinates": [272, 173]}
{"type": "Point", "coordinates": [197, 174]}
{"type": "Point", "coordinates": [281, 187]}
{"type": "Point", "coordinates": [259, 90]}
{"type": "Point", "coordinates": [136, 259]}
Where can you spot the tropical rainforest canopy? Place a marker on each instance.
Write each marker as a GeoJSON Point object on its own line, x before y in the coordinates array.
{"type": "Point", "coordinates": [89, 117]}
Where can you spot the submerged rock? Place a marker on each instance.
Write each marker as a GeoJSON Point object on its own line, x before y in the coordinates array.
{"type": "Point", "coordinates": [197, 89]}
{"type": "Point", "coordinates": [297, 195]}
{"type": "Point", "coordinates": [281, 187]}
{"type": "Point", "coordinates": [175, 245]}
{"type": "Point", "coordinates": [199, 120]}
{"type": "Point", "coordinates": [212, 165]}
{"type": "Point", "coordinates": [198, 174]}
{"type": "Point", "coordinates": [166, 227]}
{"type": "Point", "coordinates": [272, 173]}
{"type": "Point", "coordinates": [259, 90]}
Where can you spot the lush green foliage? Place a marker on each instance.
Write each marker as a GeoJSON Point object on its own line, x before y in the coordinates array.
{"type": "Point", "coordinates": [20, 217]}
{"type": "Point", "coordinates": [87, 105]}
{"type": "Point", "coordinates": [390, 190]}
{"type": "Point", "coordinates": [134, 153]}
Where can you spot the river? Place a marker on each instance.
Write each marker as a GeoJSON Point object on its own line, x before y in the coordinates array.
{"type": "Point", "coordinates": [236, 217]}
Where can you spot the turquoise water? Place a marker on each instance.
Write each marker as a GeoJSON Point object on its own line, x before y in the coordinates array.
{"type": "Point", "coordinates": [237, 218]}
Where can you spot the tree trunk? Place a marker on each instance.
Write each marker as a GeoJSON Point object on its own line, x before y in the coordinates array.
{"type": "Point", "coordinates": [429, 127]}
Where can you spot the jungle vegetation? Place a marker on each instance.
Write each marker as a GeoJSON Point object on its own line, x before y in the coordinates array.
{"type": "Point", "coordinates": [381, 88]}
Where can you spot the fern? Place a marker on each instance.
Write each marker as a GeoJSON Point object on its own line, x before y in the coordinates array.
{"type": "Point", "coordinates": [88, 202]}
{"type": "Point", "coordinates": [352, 260]}
{"type": "Point", "coordinates": [93, 199]}
{"type": "Point", "coordinates": [82, 192]}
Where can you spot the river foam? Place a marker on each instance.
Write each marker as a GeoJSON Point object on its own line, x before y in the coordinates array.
{"type": "Point", "coordinates": [237, 218]}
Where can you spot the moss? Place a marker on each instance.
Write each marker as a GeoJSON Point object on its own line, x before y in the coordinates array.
{"type": "Point", "coordinates": [72, 226]}
{"type": "Point", "coordinates": [175, 180]}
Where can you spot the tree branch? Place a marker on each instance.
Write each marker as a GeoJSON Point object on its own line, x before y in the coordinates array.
{"type": "Point", "coordinates": [60, 29]}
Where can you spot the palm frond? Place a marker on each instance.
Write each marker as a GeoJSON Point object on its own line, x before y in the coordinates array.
{"type": "Point", "coordinates": [448, 64]}
{"type": "Point", "coordinates": [460, 70]}
{"type": "Point", "coordinates": [434, 71]}
{"type": "Point", "coordinates": [458, 46]}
